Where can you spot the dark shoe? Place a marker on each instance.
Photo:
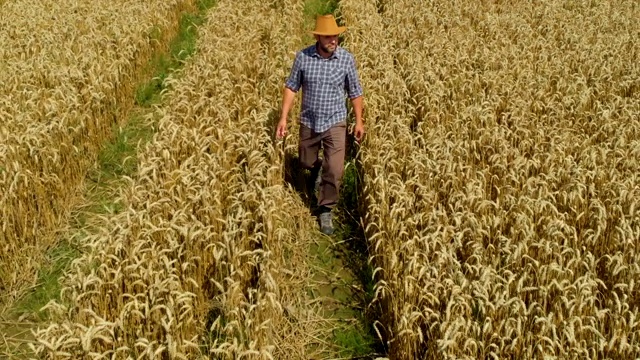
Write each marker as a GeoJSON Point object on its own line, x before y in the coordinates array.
{"type": "Point", "coordinates": [326, 223]}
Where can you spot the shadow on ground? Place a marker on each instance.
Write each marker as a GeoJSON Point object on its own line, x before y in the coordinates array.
{"type": "Point", "coordinates": [343, 277]}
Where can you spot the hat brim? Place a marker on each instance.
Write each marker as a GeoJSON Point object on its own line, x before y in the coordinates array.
{"type": "Point", "coordinates": [338, 31]}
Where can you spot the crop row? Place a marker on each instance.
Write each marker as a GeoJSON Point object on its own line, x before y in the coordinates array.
{"type": "Point", "coordinates": [207, 260]}
{"type": "Point", "coordinates": [501, 176]}
{"type": "Point", "coordinates": [69, 71]}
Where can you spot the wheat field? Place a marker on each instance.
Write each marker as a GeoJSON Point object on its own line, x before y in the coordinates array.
{"type": "Point", "coordinates": [501, 176]}
{"type": "Point", "coordinates": [207, 260]}
{"type": "Point", "coordinates": [499, 180]}
{"type": "Point", "coordinates": [67, 75]}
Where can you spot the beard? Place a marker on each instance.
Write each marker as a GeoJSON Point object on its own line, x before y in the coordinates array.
{"type": "Point", "coordinates": [329, 48]}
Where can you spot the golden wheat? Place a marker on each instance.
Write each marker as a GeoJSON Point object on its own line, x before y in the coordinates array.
{"type": "Point", "coordinates": [500, 173]}
{"type": "Point", "coordinates": [205, 262]}
{"type": "Point", "coordinates": [68, 74]}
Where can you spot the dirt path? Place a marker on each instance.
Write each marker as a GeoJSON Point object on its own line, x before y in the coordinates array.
{"type": "Point", "coordinates": [342, 286]}
{"type": "Point", "coordinates": [342, 277]}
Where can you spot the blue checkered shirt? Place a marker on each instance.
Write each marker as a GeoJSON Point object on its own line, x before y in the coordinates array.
{"type": "Point", "coordinates": [324, 83]}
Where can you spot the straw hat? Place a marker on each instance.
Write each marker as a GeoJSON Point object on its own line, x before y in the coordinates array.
{"type": "Point", "coordinates": [326, 25]}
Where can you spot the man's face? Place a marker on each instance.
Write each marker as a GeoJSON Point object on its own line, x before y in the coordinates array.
{"type": "Point", "coordinates": [328, 43]}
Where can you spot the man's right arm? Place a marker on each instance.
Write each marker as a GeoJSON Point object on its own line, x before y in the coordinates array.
{"type": "Point", "coordinates": [287, 101]}
{"type": "Point", "coordinates": [293, 84]}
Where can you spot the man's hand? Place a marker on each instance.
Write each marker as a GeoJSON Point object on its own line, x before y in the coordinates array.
{"type": "Point", "coordinates": [358, 131]}
{"type": "Point", "coordinates": [287, 100]}
{"type": "Point", "coordinates": [281, 130]}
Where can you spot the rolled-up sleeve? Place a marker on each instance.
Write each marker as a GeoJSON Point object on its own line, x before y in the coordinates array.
{"type": "Point", "coordinates": [294, 82]}
{"type": "Point", "coordinates": [352, 85]}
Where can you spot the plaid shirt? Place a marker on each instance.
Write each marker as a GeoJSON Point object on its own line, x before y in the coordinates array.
{"type": "Point", "coordinates": [324, 83]}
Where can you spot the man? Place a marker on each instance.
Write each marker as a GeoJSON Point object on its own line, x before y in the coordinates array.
{"type": "Point", "coordinates": [324, 71]}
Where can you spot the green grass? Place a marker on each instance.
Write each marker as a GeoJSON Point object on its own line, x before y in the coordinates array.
{"type": "Point", "coordinates": [180, 49]}
{"type": "Point", "coordinates": [116, 159]}
{"type": "Point", "coordinates": [48, 287]}
{"type": "Point", "coordinates": [354, 337]}
{"type": "Point", "coordinates": [313, 8]}
{"type": "Point", "coordinates": [344, 256]}
{"type": "Point", "coordinates": [354, 341]}
{"type": "Point", "coordinates": [361, 338]}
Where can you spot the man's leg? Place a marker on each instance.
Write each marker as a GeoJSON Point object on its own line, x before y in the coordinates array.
{"type": "Point", "coordinates": [308, 155]}
{"type": "Point", "coordinates": [333, 142]}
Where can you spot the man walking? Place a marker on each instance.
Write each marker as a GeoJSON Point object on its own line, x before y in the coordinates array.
{"type": "Point", "coordinates": [325, 72]}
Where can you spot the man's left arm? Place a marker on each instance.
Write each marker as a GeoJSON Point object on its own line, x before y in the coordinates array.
{"type": "Point", "coordinates": [355, 92]}
{"type": "Point", "coordinates": [358, 130]}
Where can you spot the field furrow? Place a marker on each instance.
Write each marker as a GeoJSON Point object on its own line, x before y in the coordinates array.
{"type": "Point", "coordinates": [501, 177]}
{"type": "Point", "coordinates": [68, 71]}
{"type": "Point", "coordinates": [208, 259]}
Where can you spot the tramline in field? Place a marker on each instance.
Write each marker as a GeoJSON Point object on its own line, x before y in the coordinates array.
{"type": "Point", "coordinates": [205, 260]}
{"type": "Point", "coordinates": [499, 182]}
{"type": "Point", "coordinates": [68, 71]}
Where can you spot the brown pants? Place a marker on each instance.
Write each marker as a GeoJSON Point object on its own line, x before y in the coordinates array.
{"type": "Point", "coordinates": [333, 144]}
